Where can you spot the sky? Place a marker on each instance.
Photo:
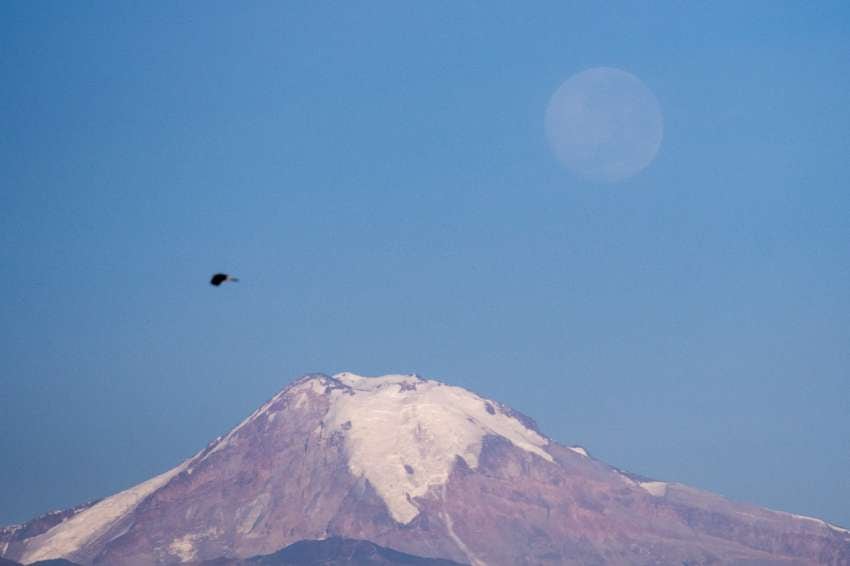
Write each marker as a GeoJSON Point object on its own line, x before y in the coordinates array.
{"type": "Point", "coordinates": [378, 176]}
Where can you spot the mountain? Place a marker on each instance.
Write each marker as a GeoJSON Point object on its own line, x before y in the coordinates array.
{"type": "Point", "coordinates": [423, 468]}
{"type": "Point", "coordinates": [52, 562]}
{"type": "Point", "coordinates": [334, 551]}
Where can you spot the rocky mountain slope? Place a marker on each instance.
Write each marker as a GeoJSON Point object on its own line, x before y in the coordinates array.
{"type": "Point", "coordinates": [334, 551]}
{"type": "Point", "coordinates": [423, 468]}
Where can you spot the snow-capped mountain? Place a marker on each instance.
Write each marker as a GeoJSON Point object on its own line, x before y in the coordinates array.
{"type": "Point", "coordinates": [423, 468]}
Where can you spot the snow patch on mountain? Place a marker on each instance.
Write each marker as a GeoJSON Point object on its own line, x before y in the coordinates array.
{"type": "Point", "coordinates": [314, 385]}
{"type": "Point", "coordinates": [70, 535]}
{"type": "Point", "coordinates": [473, 560]}
{"type": "Point", "coordinates": [656, 488]}
{"type": "Point", "coordinates": [818, 521]}
{"type": "Point", "coordinates": [578, 450]}
{"type": "Point", "coordinates": [403, 433]}
{"type": "Point", "coordinates": [184, 548]}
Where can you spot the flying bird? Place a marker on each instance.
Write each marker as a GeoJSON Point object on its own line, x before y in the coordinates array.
{"type": "Point", "coordinates": [220, 278]}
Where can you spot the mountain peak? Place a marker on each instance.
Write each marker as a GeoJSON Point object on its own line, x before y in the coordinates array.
{"type": "Point", "coordinates": [403, 433]}
{"type": "Point", "coordinates": [421, 467]}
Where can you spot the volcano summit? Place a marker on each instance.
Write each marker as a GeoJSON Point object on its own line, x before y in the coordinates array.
{"type": "Point", "coordinates": [423, 468]}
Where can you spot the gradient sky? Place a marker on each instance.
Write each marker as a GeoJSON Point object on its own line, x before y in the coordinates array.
{"type": "Point", "coordinates": [378, 176]}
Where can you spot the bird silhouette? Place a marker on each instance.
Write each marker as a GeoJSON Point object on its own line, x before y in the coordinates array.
{"type": "Point", "coordinates": [220, 278]}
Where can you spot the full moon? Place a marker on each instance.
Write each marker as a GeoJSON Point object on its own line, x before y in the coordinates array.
{"type": "Point", "coordinates": [604, 124]}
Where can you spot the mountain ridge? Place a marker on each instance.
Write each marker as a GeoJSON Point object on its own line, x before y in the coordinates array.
{"type": "Point", "coordinates": [421, 467]}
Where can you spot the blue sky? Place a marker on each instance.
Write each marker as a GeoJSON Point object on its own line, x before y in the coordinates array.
{"type": "Point", "coordinates": [378, 176]}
